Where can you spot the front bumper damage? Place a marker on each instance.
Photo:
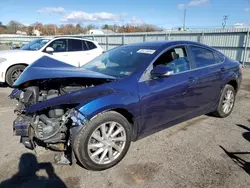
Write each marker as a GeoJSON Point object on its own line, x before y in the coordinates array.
{"type": "Point", "coordinates": [23, 127]}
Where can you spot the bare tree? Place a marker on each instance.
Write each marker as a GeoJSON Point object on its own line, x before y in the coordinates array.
{"type": "Point", "coordinates": [13, 26]}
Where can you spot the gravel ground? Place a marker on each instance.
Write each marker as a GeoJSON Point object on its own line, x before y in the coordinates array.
{"type": "Point", "coordinates": [4, 47]}
{"type": "Point", "coordinates": [202, 152]}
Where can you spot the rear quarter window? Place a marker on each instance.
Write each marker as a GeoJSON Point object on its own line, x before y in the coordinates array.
{"type": "Point", "coordinates": [219, 58]}
{"type": "Point", "coordinates": [90, 45]}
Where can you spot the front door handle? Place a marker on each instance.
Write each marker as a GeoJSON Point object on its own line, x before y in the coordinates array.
{"type": "Point", "coordinates": [223, 69]}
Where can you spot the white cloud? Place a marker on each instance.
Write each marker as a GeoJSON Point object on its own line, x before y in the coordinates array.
{"type": "Point", "coordinates": [181, 6]}
{"type": "Point", "coordinates": [197, 2]}
{"type": "Point", "coordinates": [247, 9]}
{"type": "Point", "coordinates": [135, 21]}
{"type": "Point", "coordinates": [192, 3]}
{"type": "Point", "coordinates": [55, 10]}
{"type": "Point", "coordinates": [241, 25]}
{"type": "Point", "coordinates": [79, 16]}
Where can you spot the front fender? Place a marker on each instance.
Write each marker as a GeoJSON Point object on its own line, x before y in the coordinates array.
{"type": "Point", "coordinates": [85, 112]}
{"type": "Point", "coordinates": [113, 101]}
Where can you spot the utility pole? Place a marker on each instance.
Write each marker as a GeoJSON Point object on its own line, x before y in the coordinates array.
{"type": "Point", "coordinates": [184, 19]}
{"type": "Point", "coordinates": [224, 23]}
{"type": "Point", "coordinates": [55, 29]}
{"type": "Point", "coordinates": [123, 28]}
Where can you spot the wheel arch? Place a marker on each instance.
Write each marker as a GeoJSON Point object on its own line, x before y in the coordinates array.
{"type": "Point", "coordinates": [126, 105]}
{"type": "Point", "coordinates": [234, 83]}
{"type": "Point", "coordinates": [125, 113]}
{"type": "Point", "coordinates": [131, 119]}
{"type": "Point", "coordinates": [25, 64]}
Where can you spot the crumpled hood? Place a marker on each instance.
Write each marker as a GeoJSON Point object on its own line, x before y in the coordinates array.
{"type": "Point", "coordinates": [49, 68]}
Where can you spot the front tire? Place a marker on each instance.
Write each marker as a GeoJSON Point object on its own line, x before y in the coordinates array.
{"type": "Point", "coordinates": [104, 141]}
{"type": "Point", "coordinates": [13, 74]}
{"type": "Point", "coordinates": [226, 103]}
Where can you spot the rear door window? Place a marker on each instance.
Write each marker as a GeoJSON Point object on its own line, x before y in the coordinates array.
{"type": "Point", "coordinates": [203, 57]}
{"type": "Point", "coordinates": [74, 45]}
{"type": "Point", "coordinates": [84, 45]}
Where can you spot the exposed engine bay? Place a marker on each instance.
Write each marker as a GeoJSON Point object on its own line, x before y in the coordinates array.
{"type": "Point", "coordinates": [49, 128]}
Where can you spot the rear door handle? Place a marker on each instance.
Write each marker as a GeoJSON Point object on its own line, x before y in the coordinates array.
{"type": "Point", "coordinates": [192, 79]}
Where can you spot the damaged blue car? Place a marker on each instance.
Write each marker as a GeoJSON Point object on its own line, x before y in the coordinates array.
{"type": "Point", "coordinates": [92, 113]}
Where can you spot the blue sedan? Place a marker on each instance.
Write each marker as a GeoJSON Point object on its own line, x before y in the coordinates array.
{"type": "Point", "coordinates": [92, 113]}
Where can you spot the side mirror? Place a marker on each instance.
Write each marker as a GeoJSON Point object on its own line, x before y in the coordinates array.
{"type": "Point", "coordinates": [49, 50]}
{"type": "Point", "coordinates": [161, 71]}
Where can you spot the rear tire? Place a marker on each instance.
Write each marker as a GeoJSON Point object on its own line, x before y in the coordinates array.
{"type": "Point", "coordinates": [97, 137]}
{"type": "Point", "coordinates": [226, 103]}
{"type": "Point", "coordinates": [13, 73]}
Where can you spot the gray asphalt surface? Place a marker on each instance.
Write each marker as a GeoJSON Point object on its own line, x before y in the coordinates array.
{"type": "Point", "coordinates": [203, 152]}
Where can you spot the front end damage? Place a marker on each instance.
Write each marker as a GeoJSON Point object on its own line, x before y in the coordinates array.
{"type": "Point", "coordinates": [47, 115]}
{"type": "Point", "coordinates": [52, 127]}
{"type": "Point", "coordinates": [48, 93]}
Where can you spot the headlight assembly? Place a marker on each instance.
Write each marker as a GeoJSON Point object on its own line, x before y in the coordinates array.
{"type": "Point", "coordinates": [2, 60]}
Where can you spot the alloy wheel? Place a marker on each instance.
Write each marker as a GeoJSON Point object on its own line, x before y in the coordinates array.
{"type": "Point", "coordinates": [228, 102]}
{"type": "Point", "coordinates": [15, 74]}
{"type": "Point", "coordinates": [106, 143]}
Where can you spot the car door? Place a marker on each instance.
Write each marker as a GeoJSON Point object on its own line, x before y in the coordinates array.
{"type": "Point", "coordinates": [81, 51]}
{"type": "Point", "coordinates": [76, 51]}
{"type": "Point", "coordinates": [166, 99]}
{"type": "Point", "coordinates": [60, 52]}
{"type": "Point", "coordinates": [209, 72]}
{"type": "Point", "coordinates": [91, 51]}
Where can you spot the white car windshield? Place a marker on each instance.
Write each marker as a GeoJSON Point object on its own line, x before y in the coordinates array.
{"type": "Point", "coordinates": [35, 44]}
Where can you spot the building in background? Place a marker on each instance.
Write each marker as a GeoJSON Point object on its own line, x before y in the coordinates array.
{"type": "Point", "coordinates": [100, 32]}
{"type": "Point", "coordinates": [36, 32]}
{"type": "Point", "coordinates": [23, 33]}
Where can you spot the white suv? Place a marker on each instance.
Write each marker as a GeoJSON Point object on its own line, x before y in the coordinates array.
{"type": "Point", "coordinates": [74, 51]}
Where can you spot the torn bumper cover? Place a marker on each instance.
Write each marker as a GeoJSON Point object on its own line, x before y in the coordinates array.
{"type": "Point", "coordinates": [22, 127]}
{"type": "Point", "coordinates": [78, 121]}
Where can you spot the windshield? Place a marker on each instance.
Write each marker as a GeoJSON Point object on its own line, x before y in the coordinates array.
{"type": "Point", "coordinates": [35, 44]}
{"type": "Point", "coordinates": [121, 61]}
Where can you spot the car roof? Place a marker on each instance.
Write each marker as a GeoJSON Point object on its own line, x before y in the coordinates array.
{"type": "Point", "coordinates": [67, 37]}
{"type": "Point", "coordinates": [166, 43]}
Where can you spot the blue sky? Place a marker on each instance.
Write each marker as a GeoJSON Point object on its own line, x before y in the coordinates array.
{"type": "Point", "coordinates": [164, 13]}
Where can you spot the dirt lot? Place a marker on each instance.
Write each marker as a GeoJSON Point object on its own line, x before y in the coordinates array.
{"type": "Point", "coordinates": [203, 152]}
